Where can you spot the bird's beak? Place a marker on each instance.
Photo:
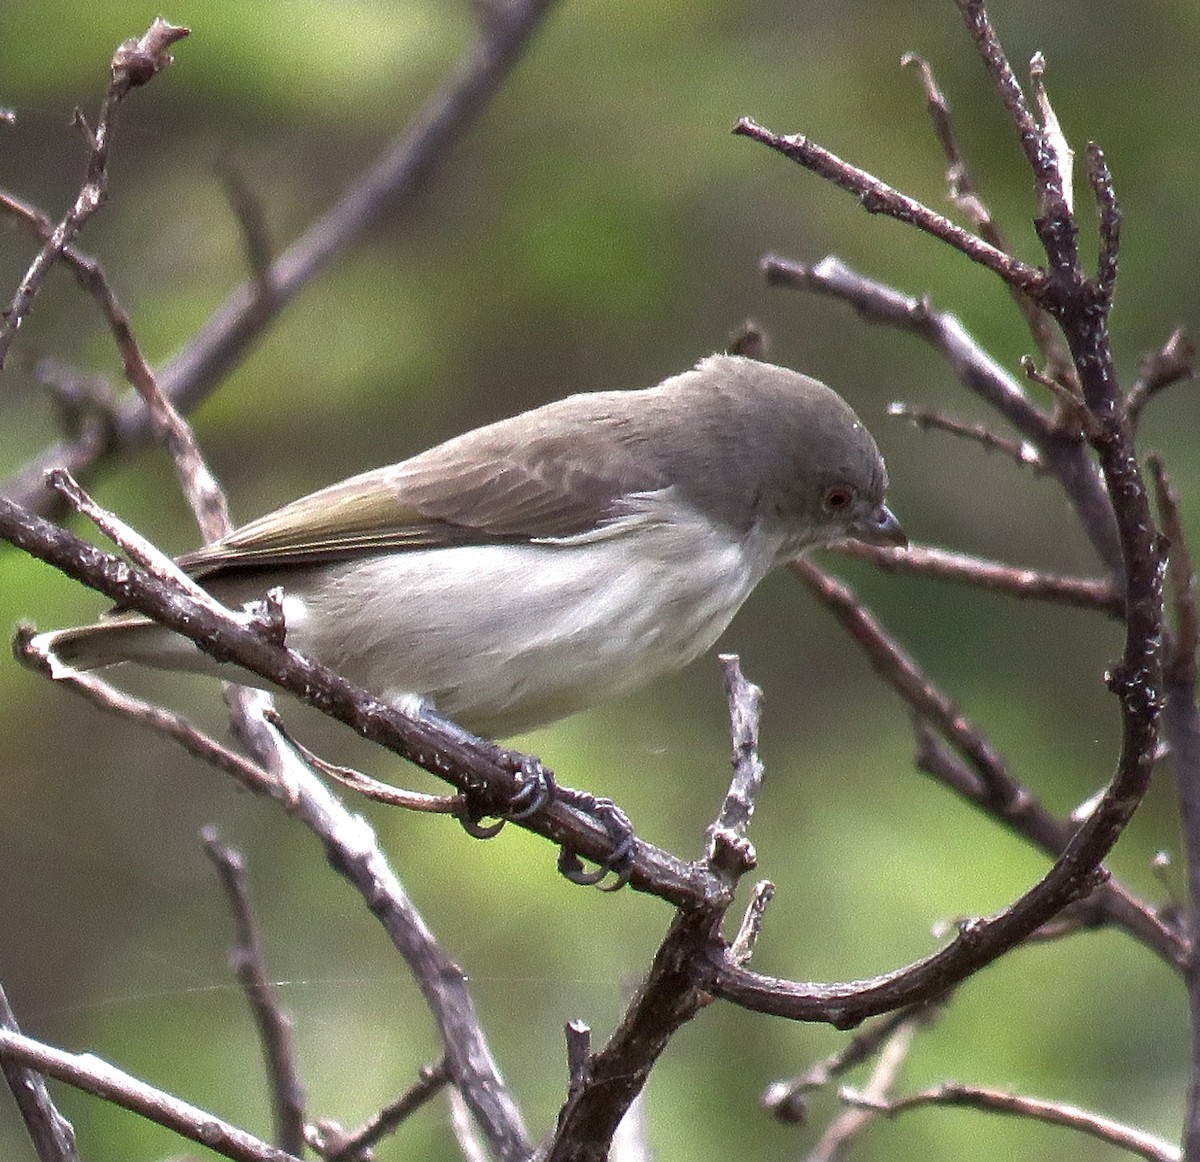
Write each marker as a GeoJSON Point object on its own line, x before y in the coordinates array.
{"type": "Point", "coordinates": [881, 528]}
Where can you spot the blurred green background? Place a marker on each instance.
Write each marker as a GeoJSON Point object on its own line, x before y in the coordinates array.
{"type": "Point", "coordinates": [598, 228]}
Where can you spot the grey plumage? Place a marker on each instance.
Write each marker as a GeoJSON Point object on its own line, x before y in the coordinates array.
{"type": "Point", "coordinates": [530, 567]}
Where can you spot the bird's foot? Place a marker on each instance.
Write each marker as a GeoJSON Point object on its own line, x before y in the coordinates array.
{"type": "Point", "coordinates": [538, 787]}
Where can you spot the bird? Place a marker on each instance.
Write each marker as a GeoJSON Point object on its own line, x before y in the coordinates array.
{"type": "Point", "coordinates": [538, 565]}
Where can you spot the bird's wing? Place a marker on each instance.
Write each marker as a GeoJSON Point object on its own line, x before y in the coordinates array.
{"type": "Point", "coordinates": [477, 489]}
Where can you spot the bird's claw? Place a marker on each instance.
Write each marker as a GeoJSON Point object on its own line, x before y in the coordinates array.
{"type": "Point", "coordinates": [537, 787]}
{"type": "Point", "coordinates": [616, 824]}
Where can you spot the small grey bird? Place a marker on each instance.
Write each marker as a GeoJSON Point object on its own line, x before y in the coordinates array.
{"type": "Point", "coordinates": [532, 567]}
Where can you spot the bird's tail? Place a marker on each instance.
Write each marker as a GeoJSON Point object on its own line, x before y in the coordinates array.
{"type": "Point", "coordinates": [123, 637]}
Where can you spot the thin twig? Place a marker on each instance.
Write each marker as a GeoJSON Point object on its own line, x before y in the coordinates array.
{"type": "Point", "coordinates": [852, 1121]}
{"type": "Point", "coordinates": [52, 1136]}
{"type": "Point", "coordinates": [730, 853]}
{"type": "Point", "coordinates": [124, 536]}
{"type": "Point", "coordinates": [1041, 157]}
{"type": "Point", "coordinates": [248, 958]}
{"type": "Point", "coordinates": [787, 1100]}
{"type": "Point", "coordinates": [1023, 584]}
{"type": "Point", "coordinates": [1175, 361]}
{"type": "Point", "coordinates": [1124, 1137]}
{"type": "Point", "coordinates": [96, 1076]}
{"type": "Point", "coordinates": [1021, 452]}
{"type": "Point", "coordinates": [365, 785]}
{"type": "Point", "coordinates": [877, 197]}
{"type": "Point", "coordinates": [337, 1145]}
{"type": "Point", "coordinates": [256, 240]}
{"type": "Point", "coordinates": [741, 948]}
{"type": "Point", "coordinates": [965, 195]}
{"type": "Point", "coordinates": [109, 699]}
{"type": "Point", "coordinates": [1008, 799]}
{"type": "Point", "coordinates": [135, 63]}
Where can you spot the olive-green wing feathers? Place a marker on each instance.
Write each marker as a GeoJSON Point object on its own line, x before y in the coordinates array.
{"type": "Point", "coordinates": [493, 484]}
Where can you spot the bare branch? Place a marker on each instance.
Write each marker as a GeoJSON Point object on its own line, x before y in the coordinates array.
{"type": "Point", "coordinates": [1174, 362]}
{"type": "Point", "coordinates": [666, 1000]}
{"type": "Point", "coordinates": [174, 726]}
{"type": "Point", "coordinates": [787, 1100]}
{"type": "Point", "coordinates": [53, 1137]}
{"type": "Point", "coordinates": [965, 195]}
{"type": "Point", "coordinates": [248, 958]}
{"type": "Point", "coordinates": [1022, 453]}
{"type": "Point", "coordinates": [851, 1122]}
{"type": "Point", "coordinates": [1023, 584]}
{"type": "Point", "coordinates": [1053, 1113]}
{"type": "Point", "coordinates": [95, 1076]}
{"type": "Point", "coordinates": [134, 63]}
{"type": "Point", "coordinates": [337, 1145]}
{"type": "Point", "coordinates": [371, 788]}
{"type": "Point", "coordinates": [878, 197]}
{"type": "Point", "coordinates": [730, 852]}
{"type": "Point", "coordinates": [240, 321]}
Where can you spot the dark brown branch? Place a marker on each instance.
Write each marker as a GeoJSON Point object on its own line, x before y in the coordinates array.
{"type": "Point", "coordinates": [1080, 305]}
{"type": "Point", "coordinates": [248, 959]}
{"type": "Point", "coordinates": [666, 1001]}
{"type": "Point", "coordinates": [240, 321]}
{"type": "Point", "coordinates": [1180, 666]}
{"type": "Point", "coordinates": [606, 1084]}
{"type": "Point", "coordinates": [1024, 584]}
{"type": "Point", "coordinates": [53, 1137]}
{"type": "Point", "coordinates": [1108, 215]}
{"type": "Point", "coordinates": [878, 197]}
{"type": "Point", "coordinates": [95, 1076]}
{"type": "Point", "coordinates": [1053, 1113]}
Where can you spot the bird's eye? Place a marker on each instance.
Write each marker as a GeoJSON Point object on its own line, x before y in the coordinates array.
{"type": "Point", "coordinates": [838, 498]}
